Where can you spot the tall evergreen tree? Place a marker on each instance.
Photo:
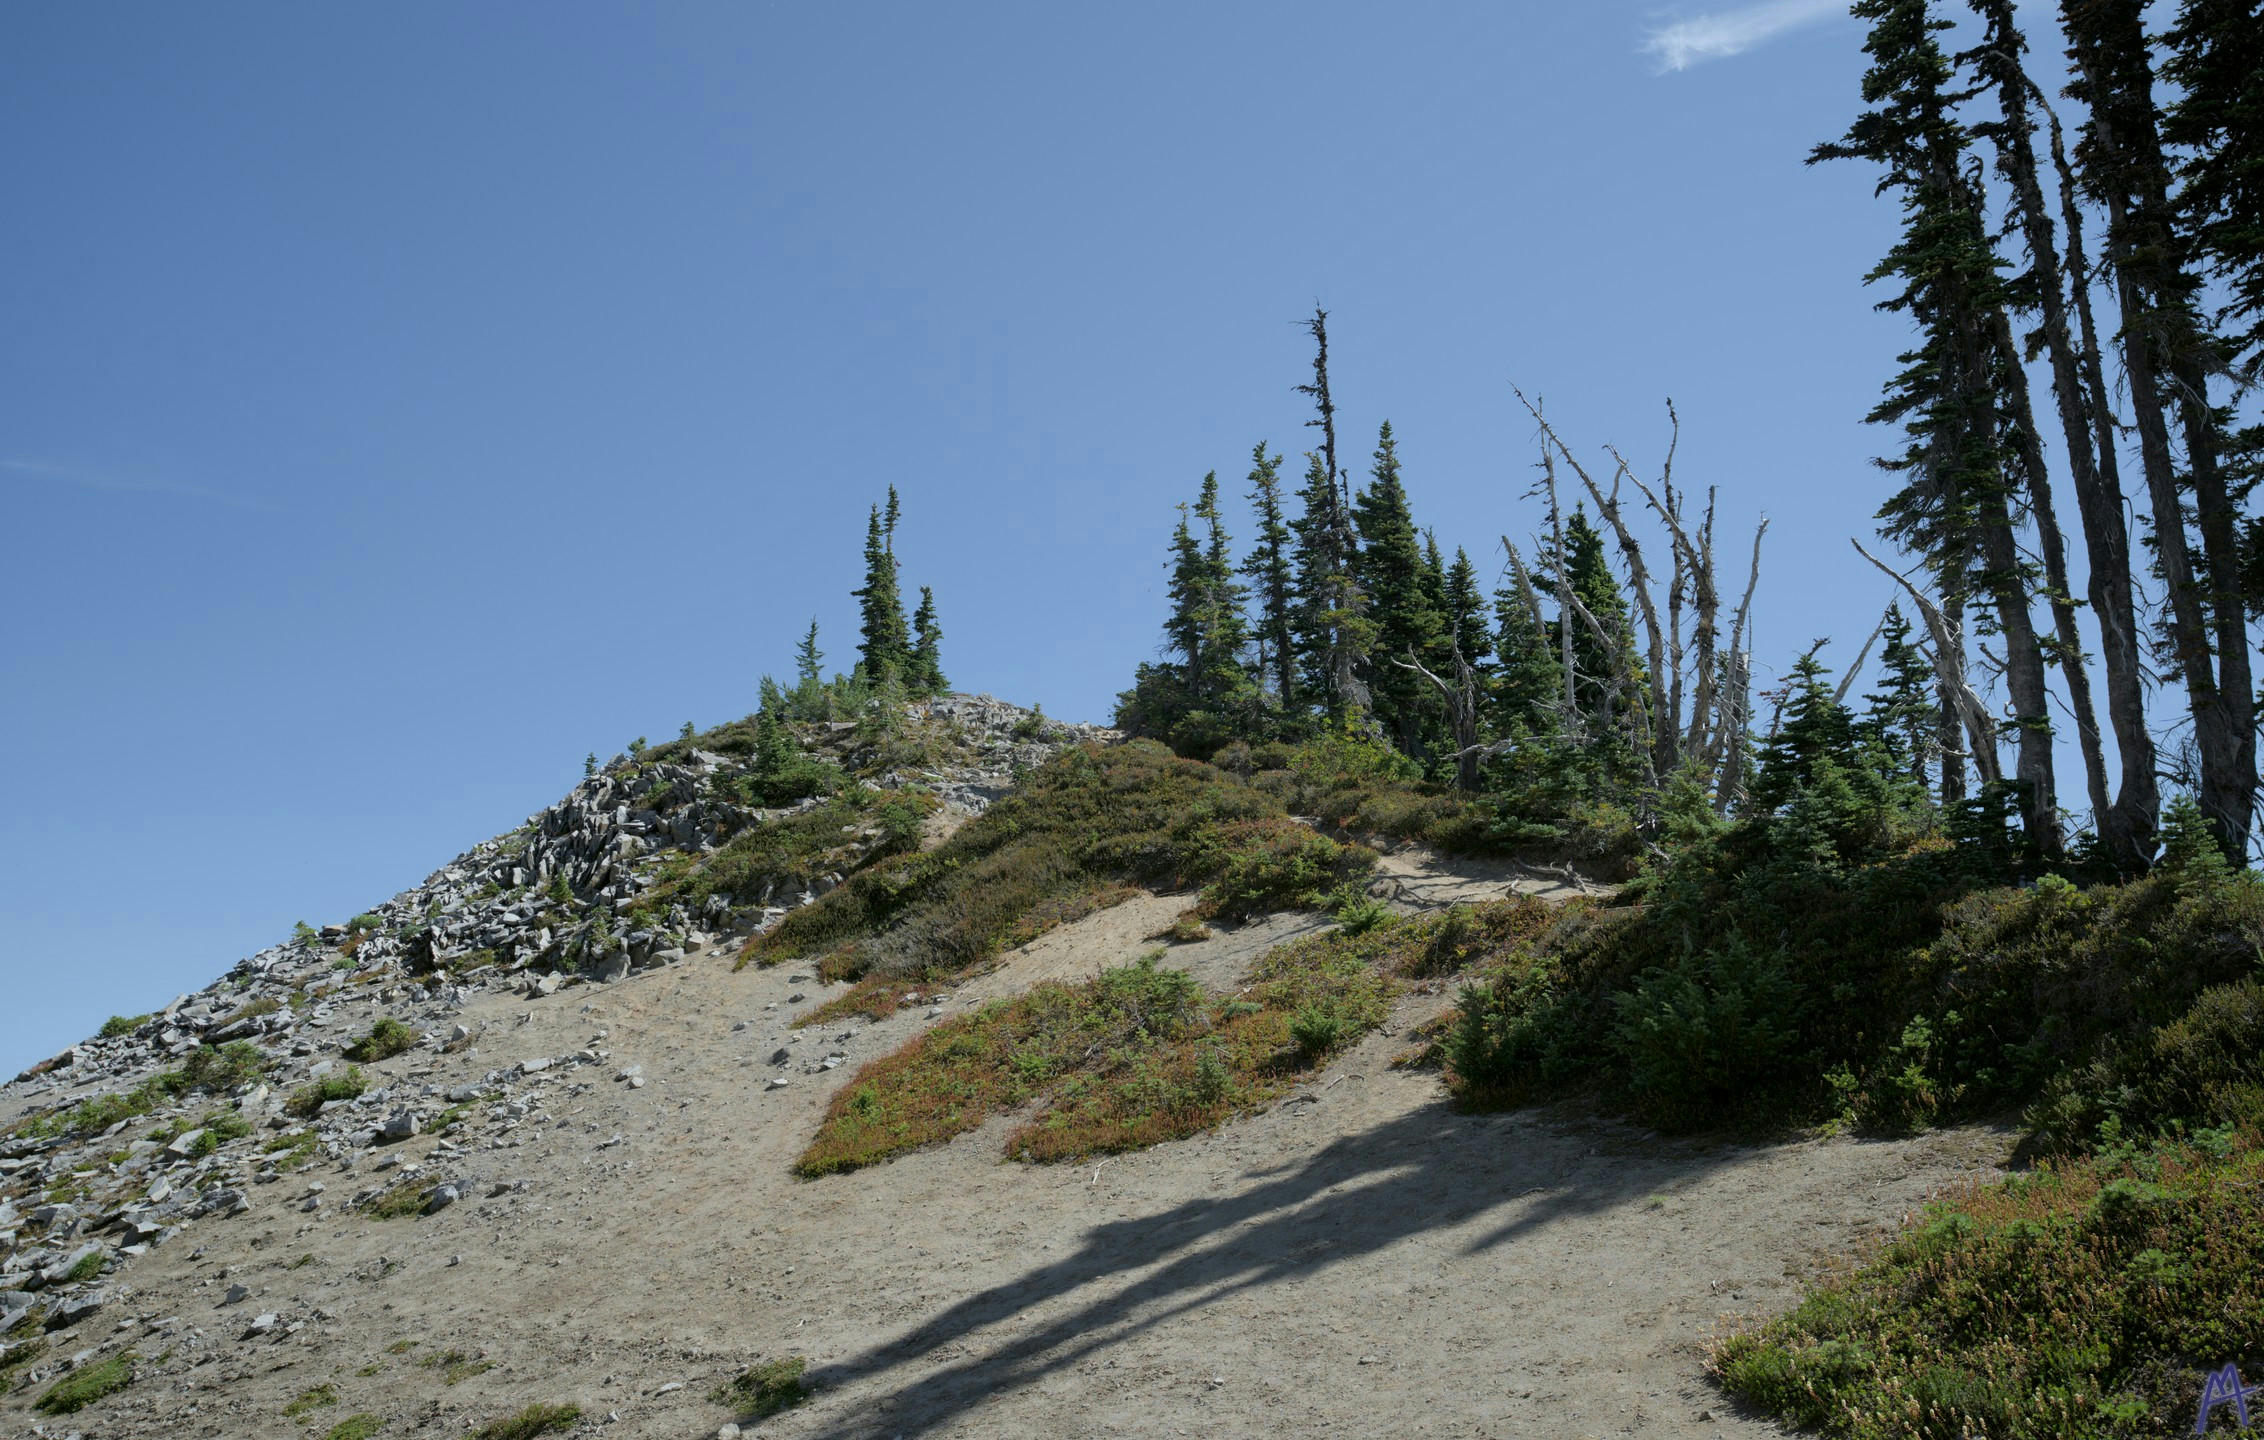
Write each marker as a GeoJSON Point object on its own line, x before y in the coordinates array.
{"type": "Point", "coordinates": [1605, 665]}
{"type": "Point", "coordinates": [2168, 358]}
{"type": "Point", "coordinates": [2216, 57]}
{"type": "Point", "coordinates": [1335, 633]}
{"type": "Point", "coordinates": [2127, 821]}
{"type": "Point", "coordinates": [1392, 577]}
{"type": "Point", "coordinates": [809, 660]}
{"type": "Point", "coordinates": [1273, 581]}
{"type": "Point", "coordinates": [926, 670]}
{"type": "Point", "coordinates": [1525, 687]}
{"type": "Point", "coordinates": [1189, 592]}
{"type": "Point", "coordinates": [1203, 697]}
{"type": "Point", "coordinates": [1465, 610]}
{"type": "Point", "coordinates": [808, 701]}
{"type": "Point", "coordinates": [1952, 397]}
{"type": "Point", "coordinates": [1331, 627]}
{"type": "Point", "coordinates": [884, 647]}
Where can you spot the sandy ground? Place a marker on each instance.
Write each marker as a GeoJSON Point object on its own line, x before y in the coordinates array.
{"type": "Point", "coordinates": [1359, 1260]}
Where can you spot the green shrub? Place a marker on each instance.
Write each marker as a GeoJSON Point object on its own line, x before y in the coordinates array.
{"type": "Point", "coordinates": [1316, 1029]}
{"type": "Point", "coordinates": [1708, 1034]}
{"type": "Point", "coordinates": [220, 1127]}
{"type": "Point", "coordinates": [1134, 1057]}
{"type": "Point", "coordinates": [765, 1389]}
{"type": "Point", "coordinates": [118, 1025]}
{"type": "Point", "coordinates": [387, 1038]}
{"type": "Point", "coordinates": [2079, 1301]}
{"type": "Point", "coordinates": [1085, 825]}
{"type": "Point", "coordinates": [1359, 914]}
{"type": "Point", "coordinates": [356, 1427]}
{"type": "Point", "coordinates": [87, 1268]}
{"type": "Point", "coordinates": [366, 921]}
{"type": "Point", "coordinates": [307, 1101]}
{"type": "Point", "coordinates": [87, 1384]}
{"type": "Point", "coordinates": [2204, 1070]}
{"type": "Point", "coordinates": [233, 1064]}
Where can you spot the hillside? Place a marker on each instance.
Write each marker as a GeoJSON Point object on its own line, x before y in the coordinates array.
{"type": "Point", "coordinates": [572, 1182]}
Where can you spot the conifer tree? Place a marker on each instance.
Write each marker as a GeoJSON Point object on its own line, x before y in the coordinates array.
{"type": "Point", "coordinates": [1273, 581]}
{"type": "Point", "coordinates": [1189, 592]}
{"type": "Point", "coordinates": [1334, 630]}
{"type": "Point", "coordinates": [1815, 730]}
{"type": "Point", "coordinates": [1226, 624]}
{"type": "Point", "coordinates": [1392, 577]}
{"type": "Point", "coordinates": [809, 660]}
{"type": "Point", "coordinates": [2167, 360]}
{"type": "Point", "coordinates": [1605, 663]}
{"type": "Point", "coordinates": [2126, 821]}
{"type": "Point", "coordinates": [926, 677]}
{"type": "Point", "coordinates": [2216, 58]}
{"type": "Point", "coordinates": [1465, 610]}
{"type": "Point", "coordinates": [1203, 698]}
{"type": "Point", "coordinates": [1902, 716]}
{"type": "Point", "coordinates": [885, 645]}
{"type": "Point", "coordinates": [1955, 507]}
{"type": "Point", "coordinates": [1525, 688]}
{"type": "Point", "coordinates": [808, 700]}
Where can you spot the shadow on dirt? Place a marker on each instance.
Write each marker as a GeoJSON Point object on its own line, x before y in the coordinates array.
{"type": "Point", "coordinates": [1427, 1171]}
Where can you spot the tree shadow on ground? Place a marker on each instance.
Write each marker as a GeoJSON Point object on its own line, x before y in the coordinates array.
{"type": "Point", "coordinates": [1430, 1170]}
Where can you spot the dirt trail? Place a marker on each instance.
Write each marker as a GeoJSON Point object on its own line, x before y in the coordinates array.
{"type": "Point", "coordinates": [1359, 1260]}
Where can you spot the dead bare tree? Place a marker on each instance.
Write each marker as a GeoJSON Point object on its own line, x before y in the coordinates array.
{"type": "Point", "coordinates": [1949, 668]}
{"type": "Point", "coordinates": [1462, 713]}
{"type": "Point", "coordinates": [1679, 670]}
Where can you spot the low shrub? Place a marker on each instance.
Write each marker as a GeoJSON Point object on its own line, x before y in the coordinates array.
{"type": "Point", "coordinates": [235, 1063]}
{"type": "Point", "coordinates": [386, 1039]}
{"type": "Point", "coordinates": [1088, 823]}
{"type": "Point", "coordinates": [2084, 1300]}
{"type": "Point", "coordinates": [356, 1427]}
{"type": "Point", "coordinates": [2204, 1070]}
{"type": "Point", "coordinates": [1134, 1057]}
{"type": "Point", "coordinates": [118, 1025]}
{"type": "Point", "coordinates": [307, 1101]}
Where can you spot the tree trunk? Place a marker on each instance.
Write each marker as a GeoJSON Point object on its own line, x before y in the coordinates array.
{"type": "Point", "coordinates": [2166, 360]}
{"type": "Point", "coordinates": [2126, 825]}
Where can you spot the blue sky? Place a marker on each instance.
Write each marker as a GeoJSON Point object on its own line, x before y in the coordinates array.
{"type": "Point", "coordinates": [398, 403]}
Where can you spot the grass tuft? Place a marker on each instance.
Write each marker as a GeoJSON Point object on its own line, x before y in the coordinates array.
{"type": "Point", "coordinates": [86, 1385]}
{"type": "Point", "coordinates": [321, 1397]}
{"type": "Point", "coordinates": [764, 1390]}
{"type": "Point", "coordinates": [535, 1419]}
{"type": "Point", "coordinates": [356, 1427]}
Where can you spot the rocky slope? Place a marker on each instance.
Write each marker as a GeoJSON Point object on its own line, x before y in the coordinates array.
{"type": "Point", "coordinates": [225, 1098]}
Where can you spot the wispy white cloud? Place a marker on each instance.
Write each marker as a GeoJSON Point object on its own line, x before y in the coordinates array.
{"type": "Point", "coordinates": [1684, 43]}
{"type": "Point", "coordinates": [84, 479]}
